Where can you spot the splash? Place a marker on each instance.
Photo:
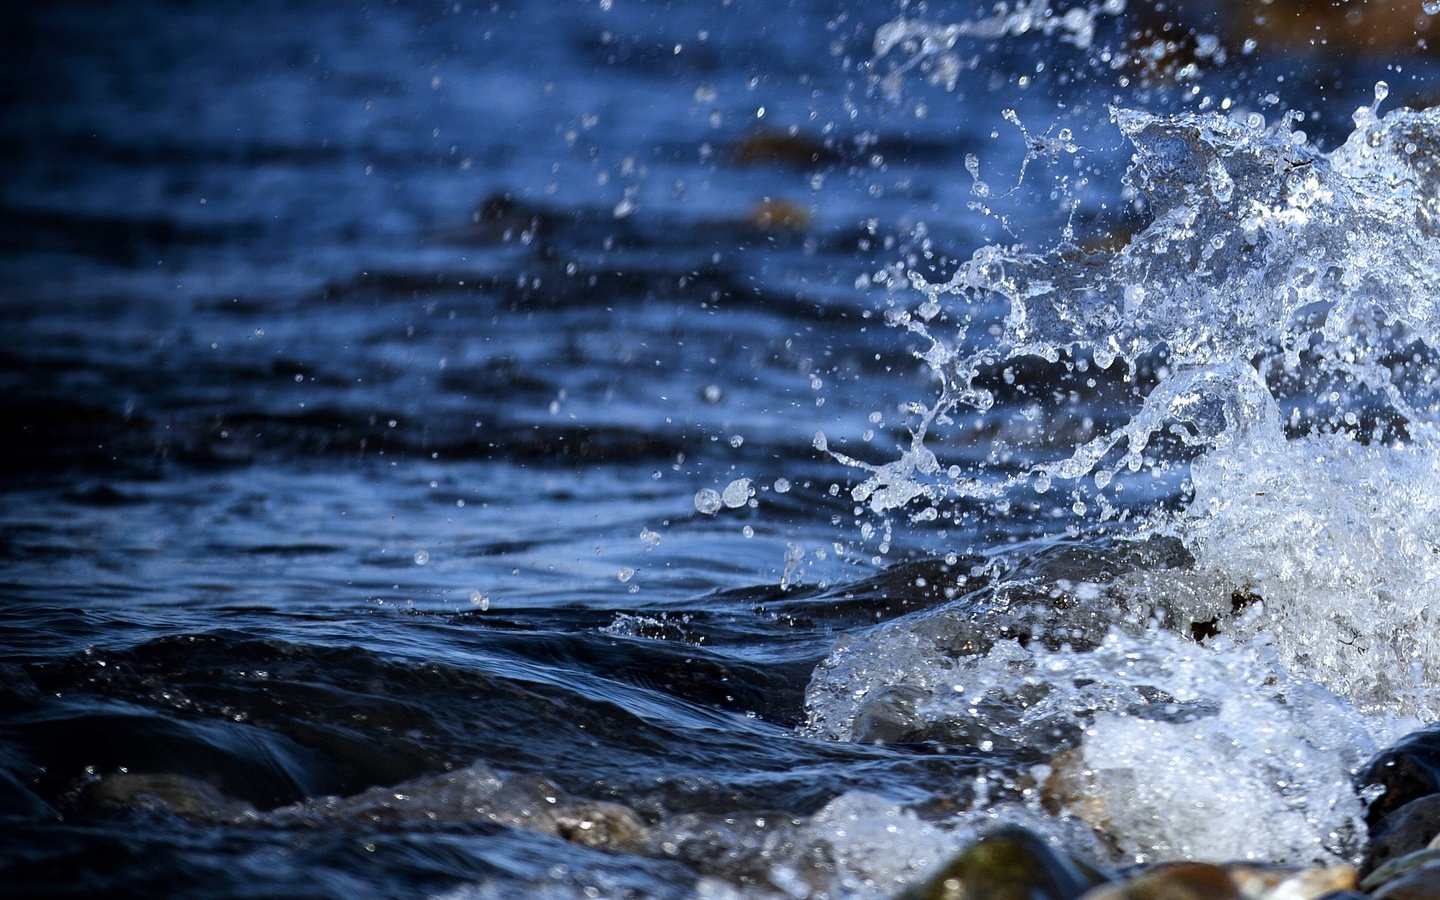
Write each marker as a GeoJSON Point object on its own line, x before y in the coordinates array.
{"type": "Point", "coordinates": [1273, 326]}
{"type": "Point", "coordinates": [1263, 257]}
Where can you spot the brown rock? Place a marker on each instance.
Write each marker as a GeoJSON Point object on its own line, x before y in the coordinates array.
{"type": "Point", "coordinates": [780, 148]}
{"type": "Point", "coordinates": [1173, 881]}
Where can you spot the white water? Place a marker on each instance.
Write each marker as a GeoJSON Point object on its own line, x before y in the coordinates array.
{"type": "Point", "coordinates": [1287, 302]}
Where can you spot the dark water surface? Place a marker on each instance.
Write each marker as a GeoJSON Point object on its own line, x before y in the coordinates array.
{"type": "Point", "coordinates": [361, 364]}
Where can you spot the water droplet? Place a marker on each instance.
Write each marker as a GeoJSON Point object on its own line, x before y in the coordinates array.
{"type": "Point", "coordinates": [421, 557]}
{"type": "Point", "coordinates": [625, 574]}
{"type": "Point", "coordinates": [707, 501]}
{"type": "Point", "coordinates": [1431, 7]}
{"type": "Point", "coordinates": [737, 493]}
{"type": "Point", "coordinates": [782, 485]}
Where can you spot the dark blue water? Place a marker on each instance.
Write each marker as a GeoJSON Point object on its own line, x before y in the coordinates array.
{"type": "Point", "coordinates": [360, 368]}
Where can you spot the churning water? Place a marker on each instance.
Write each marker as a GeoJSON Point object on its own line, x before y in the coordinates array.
{"type": "Point", "coordinates": [623, 448]}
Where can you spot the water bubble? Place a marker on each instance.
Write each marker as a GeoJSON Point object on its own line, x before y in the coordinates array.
{"type": "Point", "coordinates": [480, 600]}
{"type": "Point", "coordinates": [421, 557]}
{"type": "Point", "coordinates": [707, 501]}
{"type": "Point", "coordinates": [625, 574]}
{"type": "Point", "coordinates": [782, 485]}
{"type": "Point", "coordinates": [712, 393]}
{"type": "Point", "coordinates": [1431, 7]}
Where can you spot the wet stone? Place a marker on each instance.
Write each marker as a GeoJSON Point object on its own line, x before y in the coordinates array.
{"type": "Point", "coordinates": [1421, 884]}
{"type": "Point", "coordinates": [1173, 881]}
{"type": "Point", "coordinates": [1290, 883]}
{"type": "Point", "coordinates": [1392, 870]}
{"type": "Point", "coordinates": [1407, 771]}
{"type": "Point", "coordinates": [1009, 864]}
{"type": "Point", "coordinates": [1410, 828]}
{"type": "Point", "coordinates": [162, 792]}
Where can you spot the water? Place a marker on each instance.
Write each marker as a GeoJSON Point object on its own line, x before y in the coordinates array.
{"type": "Point", "coordinates": [626, 448]}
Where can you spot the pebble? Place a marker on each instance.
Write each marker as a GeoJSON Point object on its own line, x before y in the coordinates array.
{"type": "Point", "coordinates": [1284, 883]}
{"type": "Point", "coordinates": [1240, 881]}
{"type": "Point", "coordinates": [779, 148]}
{"type": "Point", "coordinates": [1173, 881]}
{"type": "Point", "coordinates": [1008, 864]}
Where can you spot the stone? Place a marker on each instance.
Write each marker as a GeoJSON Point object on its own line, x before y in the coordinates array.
{"type": "Point", "coordinates": [1407, 771]}
{"type": "Point", "coordinates": [1411, 827]}
{"type": "Point", "coordinates": [1008, 864]}
{"type": "Point", "coordinates": [1420, 884]}
{"type": "Point", "coordinates": [178, 795]}
{"type": "Point", "coordinates": [1392, 870]}
{"type": "Point", "coordinates": [1173, 881]}
{"type": "Point", "coordinates": [780, 149]}
{"type": "Point", "coordinates": [1290, 882]}
{"type": "Point", "coordinates": [771, 214]}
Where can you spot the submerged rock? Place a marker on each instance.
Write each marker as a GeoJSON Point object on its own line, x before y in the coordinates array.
{"type": "Point", "coordinates": [781, 148]}
{"type": "Point", "coordinates": [1009, 864]}
{"type": "Point", "coordinates": [476, 794]}
{"type": "Point", "coordinates": [179, 795]}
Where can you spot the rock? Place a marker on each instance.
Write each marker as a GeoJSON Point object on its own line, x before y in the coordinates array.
{"type": "Point", "coordinates": [1421, 884]}
{"type": "Point", "coordinates": [1372, 27]}
{"type": "Point", "coordinates": [1009, 864]}
{"type": "Point", "coordinates": [1428, 858]}
{"type": "Point", "coordinates": [1411, 827]}
{"type": "Point", "coordinates": [779, 215]}
{"type": "Point", "coordinates": [1407, 771]}
{"type": "Point", "coordinates": [1290, 883]}
{"type": "Point", "coordinates": [597, 823]}
{"type": "Point", "coordinates": [1173, 881]}
{"type": "Point", "coordinates": [179, 795]}
{"type": "Point", "coordinates": [780, 148]}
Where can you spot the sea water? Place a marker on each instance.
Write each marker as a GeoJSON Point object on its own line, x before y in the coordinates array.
{"type": "Point", "coordinates": [439, 463]}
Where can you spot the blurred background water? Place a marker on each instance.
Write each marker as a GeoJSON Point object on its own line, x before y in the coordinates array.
{"type": "Point", "coordinates": [361, 365]}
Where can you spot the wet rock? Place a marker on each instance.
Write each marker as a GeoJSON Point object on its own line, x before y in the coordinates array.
{"type": "Point", "coordinates": [780, 148]}
{"type": "Point", "coordinates": [1009, 864]}
{"type": "Point", "coordinates": [1407, 771]}
{"type": "Point", "coordinates": [1372, 27]}
{"type": "Point", "coordinates": [600, 824]}
{"type": "Point", "coordinates": [1410, 828]}
{"type": "Point", "coordinates": [779, 215]}
{"type": "Point", "coordinates": [1290, 883]}
{"type": "Point", "coordinates": [1428, 858]}
{"type": "Point", "coordinates": [1173, 881]}
{"type": "Point", "coordinates": [1421, 884]}
{"type": "Point", "coordinates": [477, 794]}
{"type": "Point", "coordinates": [179, 795]}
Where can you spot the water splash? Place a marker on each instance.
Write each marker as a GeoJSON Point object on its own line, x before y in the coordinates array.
{"type": "Point", "coordinates": [1274, 326]}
